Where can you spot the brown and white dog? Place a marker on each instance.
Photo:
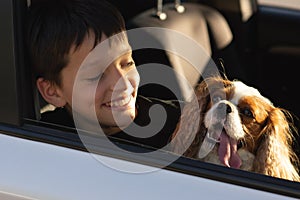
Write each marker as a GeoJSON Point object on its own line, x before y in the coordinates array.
{"type": "Point", "coordinates": [239, 128]}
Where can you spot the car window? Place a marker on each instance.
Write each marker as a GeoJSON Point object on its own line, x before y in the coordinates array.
{"type": "Point", "coordinates": [21, 107]}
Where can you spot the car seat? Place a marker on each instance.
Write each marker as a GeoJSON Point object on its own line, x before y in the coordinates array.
{"type": "Point", "coordinates": [203, 24]}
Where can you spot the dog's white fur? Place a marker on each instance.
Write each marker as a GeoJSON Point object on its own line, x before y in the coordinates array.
{"type": "Point", "coordinates": [234, 112]}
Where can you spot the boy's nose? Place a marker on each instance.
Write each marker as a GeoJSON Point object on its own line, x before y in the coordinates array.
{"type": "Point", "coordinates": [119, 79]}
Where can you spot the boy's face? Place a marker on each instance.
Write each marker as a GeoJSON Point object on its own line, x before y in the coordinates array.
{"type": "Point", "coordinates": [110, 95]}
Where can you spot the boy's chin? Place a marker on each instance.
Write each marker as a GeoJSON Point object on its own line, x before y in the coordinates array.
{"type": "Point", "coordinates": [121, 120]}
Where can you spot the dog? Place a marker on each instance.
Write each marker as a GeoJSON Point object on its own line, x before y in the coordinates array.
{"type": "Point", "coordinates": [238, 128]}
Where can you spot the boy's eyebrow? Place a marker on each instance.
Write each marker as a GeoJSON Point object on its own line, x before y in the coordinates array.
{"type": "Point", "coordinates": [119, 41]}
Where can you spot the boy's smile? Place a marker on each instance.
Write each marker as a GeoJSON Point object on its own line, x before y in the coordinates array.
{"type": "Point", "coordinates": [119, 103]}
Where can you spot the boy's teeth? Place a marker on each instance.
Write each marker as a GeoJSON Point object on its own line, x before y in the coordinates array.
{"type": "Point", "coordinates": [119, 102]}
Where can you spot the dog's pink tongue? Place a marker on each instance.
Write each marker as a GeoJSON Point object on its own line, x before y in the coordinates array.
{"type": "Point", "coordinates": [228, 151]}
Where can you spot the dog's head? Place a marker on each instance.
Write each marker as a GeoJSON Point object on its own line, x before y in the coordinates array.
{"type": "Point", "coordinates": [235, 115]}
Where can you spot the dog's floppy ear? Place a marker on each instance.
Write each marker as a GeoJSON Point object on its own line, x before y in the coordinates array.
{"type": "Point", "coordinates": [185, 139]}
{"type": "Point", "coordinates": [274, 155]}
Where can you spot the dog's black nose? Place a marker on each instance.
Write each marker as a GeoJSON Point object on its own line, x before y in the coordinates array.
{"type": "Point", "coordinates": [224, 107]}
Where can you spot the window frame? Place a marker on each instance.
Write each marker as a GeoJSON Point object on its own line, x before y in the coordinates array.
{"type": "Point", "coordinates": [10, 108]}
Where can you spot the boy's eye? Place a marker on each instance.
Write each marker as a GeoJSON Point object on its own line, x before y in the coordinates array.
{"type": "Point", "coordinates": [95, 78]}
{"type": "Point", "coordinates": [128, 64]}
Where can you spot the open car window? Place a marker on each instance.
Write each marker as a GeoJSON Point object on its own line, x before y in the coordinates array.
{"type": "Point", "coordinates": [21, 108]}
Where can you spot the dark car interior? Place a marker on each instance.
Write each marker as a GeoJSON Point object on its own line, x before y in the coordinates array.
{"type": "Point", "coordinates": [264, 50]}
{"type": "Point", "coordinates": [255, 43]}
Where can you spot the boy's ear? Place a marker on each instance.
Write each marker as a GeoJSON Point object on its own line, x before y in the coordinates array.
{"type": "Point", "coordinates": [50, 92]}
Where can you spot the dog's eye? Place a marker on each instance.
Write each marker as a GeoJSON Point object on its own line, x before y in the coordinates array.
{"type": "Point", "coordinates": [216, 99]}
{"type": "Point", "coordinates": [247, 112]}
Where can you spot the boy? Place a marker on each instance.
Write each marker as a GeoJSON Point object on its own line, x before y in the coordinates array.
{"type": "Point", "coordinates": [62, 35]}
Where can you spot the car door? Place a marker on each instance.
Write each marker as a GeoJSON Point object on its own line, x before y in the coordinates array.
{"type": "Point", "coordinates": [46, 161]}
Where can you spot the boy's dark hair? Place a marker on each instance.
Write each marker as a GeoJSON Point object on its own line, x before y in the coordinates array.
{"type": "Point", "coordinates": [53, 26]}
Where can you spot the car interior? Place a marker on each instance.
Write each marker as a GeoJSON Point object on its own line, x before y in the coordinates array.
{"type": "Point", "coordinates": [254, 43]}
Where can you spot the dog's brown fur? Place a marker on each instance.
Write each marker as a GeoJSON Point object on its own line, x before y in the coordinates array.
{"type": "Point", "coordinates": [268, 135]}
